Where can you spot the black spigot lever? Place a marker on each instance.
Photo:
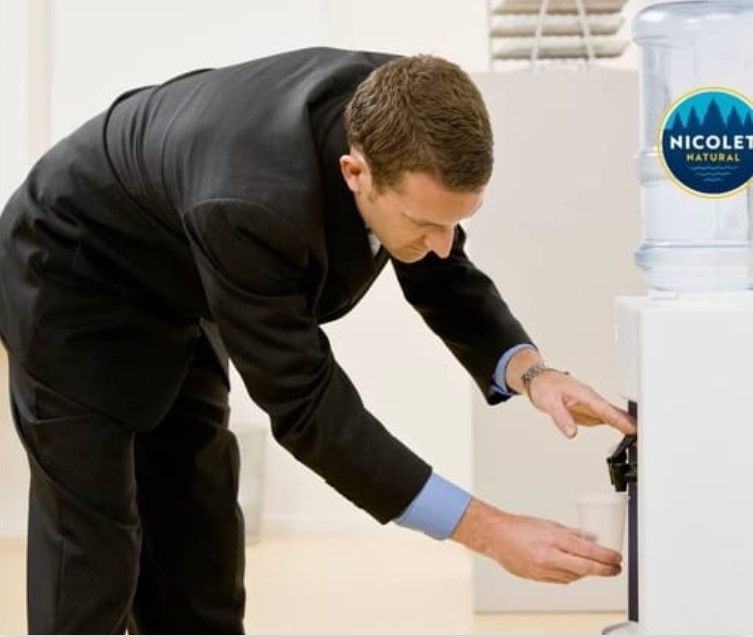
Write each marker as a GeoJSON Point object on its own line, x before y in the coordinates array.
{"type": "Point", "coordinates": [621, 471]}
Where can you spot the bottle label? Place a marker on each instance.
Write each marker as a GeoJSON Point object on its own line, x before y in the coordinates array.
{"type": "Point", "coordinates": [706, 142]}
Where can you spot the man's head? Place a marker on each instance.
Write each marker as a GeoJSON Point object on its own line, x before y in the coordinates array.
{"type": "Point", "coordinates": [420, 153]}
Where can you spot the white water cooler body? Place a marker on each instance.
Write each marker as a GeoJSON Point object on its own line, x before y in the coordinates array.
{"type": "Point", "coordinates": [685, 367]}
{"type": "Point", "coordinates": [686, 349]}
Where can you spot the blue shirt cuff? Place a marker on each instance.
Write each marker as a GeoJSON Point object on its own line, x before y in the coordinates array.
{"type": "Point", "coordinates": [437, 508]}
{"type": "Point", "coordinates": [500, 372]}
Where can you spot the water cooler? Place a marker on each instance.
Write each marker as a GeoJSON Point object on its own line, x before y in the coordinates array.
{"type": "Point", "coordinates": [686, 349]}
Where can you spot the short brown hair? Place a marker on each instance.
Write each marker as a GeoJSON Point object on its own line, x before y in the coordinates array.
{"type": "Point", "coordinates": [422, 114]}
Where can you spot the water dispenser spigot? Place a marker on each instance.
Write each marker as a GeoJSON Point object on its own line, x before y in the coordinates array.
{"type": "Point", "coordinates": [622, 470]}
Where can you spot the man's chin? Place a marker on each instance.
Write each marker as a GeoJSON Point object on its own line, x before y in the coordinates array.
{"type": "Point", "coordinates": [408, 256]}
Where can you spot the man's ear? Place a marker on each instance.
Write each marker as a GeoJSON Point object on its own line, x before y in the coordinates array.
{"type": "Point", "coordinates": [354, 169]}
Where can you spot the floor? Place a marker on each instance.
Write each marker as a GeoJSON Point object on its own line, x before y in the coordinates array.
{"type": "Point", "coordinates": [356, 584]}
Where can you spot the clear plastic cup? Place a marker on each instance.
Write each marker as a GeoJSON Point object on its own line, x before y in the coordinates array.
{"type": "Point", "coordinates": [601, 517]}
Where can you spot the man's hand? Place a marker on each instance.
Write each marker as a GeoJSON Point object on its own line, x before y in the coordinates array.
{"type": "Point", "coordinates": [533, 548]}
{"type": "Point", "coordinates": [568, 401]}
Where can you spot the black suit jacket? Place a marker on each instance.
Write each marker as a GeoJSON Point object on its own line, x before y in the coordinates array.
{"type": "Point", "coordinates": [215, 199]}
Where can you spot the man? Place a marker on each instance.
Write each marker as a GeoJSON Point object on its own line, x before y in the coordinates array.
{"type": "Point", "coordinates": [237, 210]}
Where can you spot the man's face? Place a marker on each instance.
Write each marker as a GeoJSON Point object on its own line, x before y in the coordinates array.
{"type": "Point", "coordinates": [417, 217]}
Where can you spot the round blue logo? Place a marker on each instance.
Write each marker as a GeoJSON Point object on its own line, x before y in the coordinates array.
{"type": "Point", "coordinates": [706, 142]}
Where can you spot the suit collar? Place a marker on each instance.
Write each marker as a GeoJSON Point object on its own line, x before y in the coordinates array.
{"type": "Point", "coordinates": [351, 264]}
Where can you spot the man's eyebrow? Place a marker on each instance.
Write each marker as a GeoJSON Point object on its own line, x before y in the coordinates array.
{"type": "Point", "coordinates": [419, 222]}
{"type": "Point", "coordinates": [422, 222]}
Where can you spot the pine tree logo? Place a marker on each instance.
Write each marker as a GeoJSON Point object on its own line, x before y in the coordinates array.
{"type": "Point", "coordinates": [706, 142]}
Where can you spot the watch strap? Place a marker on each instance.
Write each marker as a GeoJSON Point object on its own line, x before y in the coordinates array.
{"type": "Point", "coordinates": [534, 370]}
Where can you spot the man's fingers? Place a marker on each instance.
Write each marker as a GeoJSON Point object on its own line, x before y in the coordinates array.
{"type": "Point", "coordinates": [584, 416]}
{"type": "Point", "coordinates": [588, 408]}
{"type": "Point", "coordinates": [573, 557]}
{"type": "Point", "coordinates": [581, 412]}
{"type": "Point", "coordinates": [559, 576]}
{"type": "Point", "coordinates": [607, 412]}
{"type": "Point", "coordinates": [582, 567]}
{"type": "Point", "coordinates": [562, 418]}
{"type": "Point", "coordinates": [619, 419]}
{"type": "Point", "coordinates": [576, 544]}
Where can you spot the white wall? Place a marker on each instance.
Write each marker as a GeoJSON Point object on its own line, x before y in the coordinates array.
{"type": "Point", "coordinates": [100, 49]}
{"type": "Point", "coordinates": [561, 225]}
{"type": "Point", "coordinates": [15, 143]}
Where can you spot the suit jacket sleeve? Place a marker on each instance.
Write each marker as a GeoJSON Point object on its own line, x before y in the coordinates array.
{"type": "Point", "coordinates": [464, 308]}
{"type": "Point", "coordinates": [253, 272]}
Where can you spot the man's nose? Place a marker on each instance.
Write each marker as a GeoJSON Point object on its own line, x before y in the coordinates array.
{"type": "Point", "coordinates": [440, 242]}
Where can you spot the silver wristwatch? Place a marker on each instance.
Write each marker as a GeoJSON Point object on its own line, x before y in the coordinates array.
{"type": "Point", "coordinates": [534, 370]}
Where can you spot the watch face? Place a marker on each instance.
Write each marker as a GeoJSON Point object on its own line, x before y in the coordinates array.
{"type": "Point", "coordinates": [533, 370]}
{"type": "Point", "coordinates": [530, 374]}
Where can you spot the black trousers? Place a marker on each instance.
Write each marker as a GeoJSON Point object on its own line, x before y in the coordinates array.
{"type": "Point", "coordinates": [137, 531]}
